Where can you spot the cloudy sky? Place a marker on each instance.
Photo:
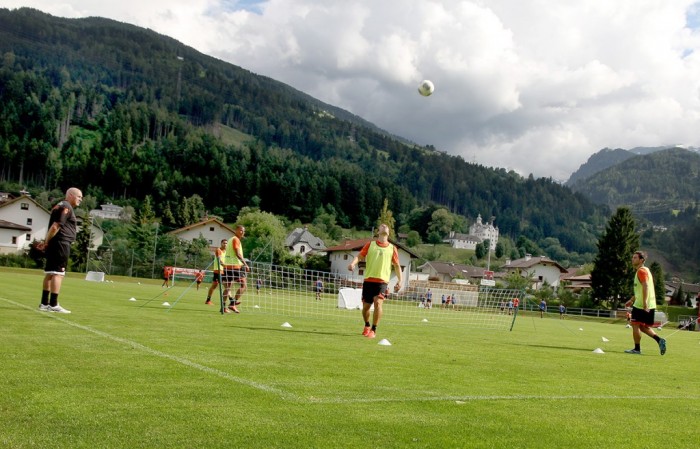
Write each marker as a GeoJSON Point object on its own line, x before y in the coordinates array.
{"type": "Point", "coordinates": [536, 86]}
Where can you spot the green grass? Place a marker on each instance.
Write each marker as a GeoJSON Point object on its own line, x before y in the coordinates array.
{"type": "Point", "coordinates": [121, 374]}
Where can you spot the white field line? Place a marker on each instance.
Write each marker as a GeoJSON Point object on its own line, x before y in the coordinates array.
{"type": "Point", "coordinates": [157, 353]}
{"type": "Point", "coordinates": [315, 400]}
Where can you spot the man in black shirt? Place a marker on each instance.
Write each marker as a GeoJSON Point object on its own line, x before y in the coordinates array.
{"type": "Point", "coordinates": [61, 234]}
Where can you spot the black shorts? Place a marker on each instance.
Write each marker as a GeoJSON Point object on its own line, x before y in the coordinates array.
{"type": "Point", "coordinates": [215, 278]}
{"type": "Point", "coordinates": [234, 274]}
{"type": "Point", "coordinates": [641, 316]}
{"type": "Point", "coordinates": [57, 255]}
{"type": "Point", "coordinates": [372, 289]}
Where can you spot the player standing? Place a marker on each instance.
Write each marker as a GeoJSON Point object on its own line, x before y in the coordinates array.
{"type": "Point", "coordinates": [380, 256]}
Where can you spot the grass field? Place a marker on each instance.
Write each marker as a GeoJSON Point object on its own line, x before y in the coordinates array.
{"type": "Point", "coordinates": [121, 374]}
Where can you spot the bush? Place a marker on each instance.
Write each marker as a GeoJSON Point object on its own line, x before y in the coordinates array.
{"type": "Point", "coordinates": [18, 261]}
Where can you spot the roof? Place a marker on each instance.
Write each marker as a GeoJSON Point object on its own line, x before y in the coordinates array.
{"type": "Point", "coordinates": [357, 244]}
{"type": "Point", "coordinates": [202, 223]}
{"type": "Point", "coordinates": [302, 235]}
{"type": "Point", "coordinates": [8, 225]}
{"type": "Point", "coordinates": [457, 269]}
{"type": "Point", "coordinates": [687, 287]}
{"type": "Point", "coordinates": [529, 262]}
{"type": "Point", "coordinates": [470, 237]}
{"type": "Point", "coordinates": [23, 197]}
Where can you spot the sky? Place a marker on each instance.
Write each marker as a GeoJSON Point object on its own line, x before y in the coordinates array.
{"type": "Point", "coordinates": [535, 86]}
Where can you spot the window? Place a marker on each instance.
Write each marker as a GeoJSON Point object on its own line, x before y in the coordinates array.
{"type": "Point", "coordinates": [25, 206]}
{"type": "Point", "coordinates": [210, 242]}
{"type": "Point", "coordinates": [302, 250]}
{"type": "Point", "coordinates": [14, 240]}
{"type": "Point", "coordinates": [345, 257]}
{"type": "Point", "coordinates": [211, 229]}
{"type": "Point", "coordinates": [29, 221]}
{"type": "Point", "coordinates": [29, 238]}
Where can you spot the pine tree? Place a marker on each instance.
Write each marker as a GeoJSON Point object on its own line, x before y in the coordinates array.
{"type": "Point", "coordinates": [387, 217]}
{"type": "Point", "coordinates": [81, 247]}
{"type": "Point", "coordinates": [612, 275]}
{"type": "Point", "coordinates": [659, 285]}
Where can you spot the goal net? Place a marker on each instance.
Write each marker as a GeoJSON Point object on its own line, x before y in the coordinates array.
{"type": "Point", "coordinates": [294, 292]}
{"type": "Point", "coordinates": [95, 276]}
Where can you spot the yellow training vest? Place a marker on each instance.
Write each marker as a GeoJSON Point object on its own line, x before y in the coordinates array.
{"type": "Point", "coordinates": [230, 257]}
{"type": "Point", "coordinates": [638, 292]}
{"type": "Point", "coordinates": [378, 261]}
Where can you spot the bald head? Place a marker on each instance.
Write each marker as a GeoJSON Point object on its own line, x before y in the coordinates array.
{"type": "Point", "coordinates": [74, 196]}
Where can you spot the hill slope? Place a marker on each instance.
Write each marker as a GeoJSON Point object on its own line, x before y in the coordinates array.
{"type": "Point", "coordinates": [125, 113]}
{"type": "Point", "coordinates": [657, 182]}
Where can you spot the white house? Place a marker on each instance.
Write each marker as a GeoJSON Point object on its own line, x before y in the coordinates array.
{"type": "Point", "coordinates": [109, 212]}
{"type": "Point", "coordinates": [539, 269]}
{"type": "Point", "coordinates": [456, 272]}
{"type": "Point", "coordinates": [22, 220]}
{"type": "Point", "coordinates": [341, 255]}
{"type": "Point", "coordinates": [462, 241]}
{"type": "Point", "coordinates": [302, 242]}
{"type": "Point", "coordinates": [211, 229]}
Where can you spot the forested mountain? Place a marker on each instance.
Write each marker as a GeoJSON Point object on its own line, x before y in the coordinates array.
{"type": "Point", "coordinates": [607, 157]}
{"type": "Point", "coordinates": [124, 112]}
{"type": "Point", "coordinates": [662, 181]}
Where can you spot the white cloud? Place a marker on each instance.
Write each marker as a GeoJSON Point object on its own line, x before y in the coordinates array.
{"type": "Point", "coordinates": [536, 86]}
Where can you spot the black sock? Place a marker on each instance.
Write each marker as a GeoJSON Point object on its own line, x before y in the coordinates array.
{"type": "Point", "coordinates": [45, 297]}
{"type": "Point", "coordinates": [208, 298]}
{"type": "Point", "coordinates": [374, 327]}
{"type": "Point", "coordinates": [54, 300]}
{"type": "Point", "coordinates": [636, 347]}
{"type": "Point", "coordinates": [366, 323]}
{"type": "Point", "coordinates": [656, 337]}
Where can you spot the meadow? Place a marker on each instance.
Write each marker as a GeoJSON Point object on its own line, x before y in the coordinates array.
{"type": "Point", "coordinates": [135, 374]}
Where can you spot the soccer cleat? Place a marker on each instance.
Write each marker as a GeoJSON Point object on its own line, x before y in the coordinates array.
{"type": "Point", "coordinates": [44, 307]}
{"type": "Point", "coordinates": [58, 309]}
{"type": "Point", "coordinates": [226, 310]}
{"type": "Point", "coordinates": [233, 308]}
{"type": "Point", "coordinates": [633, 351]}
{"type": "Point", "coordinates": [366, 331]}
{"type": "Point", "coordinates": [371, 334]}
{"type": "Point", "coordinates": [208, 302]}
{"type": "Point", "coordinates": [662, 346]}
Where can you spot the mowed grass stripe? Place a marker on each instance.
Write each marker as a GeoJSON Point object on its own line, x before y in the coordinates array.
{"type": "Point", "coordinates": [146, 349]}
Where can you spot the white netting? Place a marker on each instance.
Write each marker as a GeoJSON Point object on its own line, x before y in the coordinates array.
{"type": "Point", "coordinates": [95, 276]}
{"type": "Point", "coordinates": [292, 292]}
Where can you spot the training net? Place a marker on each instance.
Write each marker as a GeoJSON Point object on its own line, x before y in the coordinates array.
{"type": "Point", "coordinates": [95, 276]}
{"type": "Point", "coordinates": [294, 292]}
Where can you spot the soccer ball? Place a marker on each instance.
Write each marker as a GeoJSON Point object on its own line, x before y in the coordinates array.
{"type": "Point", "coordinates": [426, 88]}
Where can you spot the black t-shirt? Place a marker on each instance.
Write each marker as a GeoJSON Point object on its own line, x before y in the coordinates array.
{"type": "Point", "coordinates": [63, 214]}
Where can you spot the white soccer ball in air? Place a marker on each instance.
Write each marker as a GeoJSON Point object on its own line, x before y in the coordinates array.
{"type": "Point", "coordinates": [426, 88]}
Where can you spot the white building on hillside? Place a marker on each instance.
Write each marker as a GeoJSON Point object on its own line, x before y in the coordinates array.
{"type": "Point", "coordinates": [485, 231]}
{"type": "Point", "coordinates": [109, 212]}
{"type": "Point", "coordinates": [302, 242]}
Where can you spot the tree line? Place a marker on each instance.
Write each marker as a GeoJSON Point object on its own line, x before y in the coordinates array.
{"type": "Point", "coordinates": [125, 113]}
